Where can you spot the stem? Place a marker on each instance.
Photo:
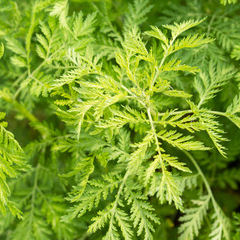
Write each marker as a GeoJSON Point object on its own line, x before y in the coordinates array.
{"type": "Point", "coordinates": [176, 112]}
{"type": "Point", "coordinates": [161, 63]}
{"type": "Point", "coordinates": [118, 196]}
{"type": "Point", "coordinates": [201, 101]}
{"type": "Point", "coordinates": [133, 94]}
{"type": "Point", "coordinates": [201, 174]}
{"type": "Point", "coordinates": [190, 111]}
{"type": "Point", "coordinates": [218, 113]}
{"type": "Point", "coordinates": [29, 37]}
{"type": "Point", "coordinates": [31, 74]}
{"type": "Point", "coordinates": [121, 188]}
{"type": "Point", "coordinates": [156, 138]}
{"type": "Point", "coordinates": [20, 108]}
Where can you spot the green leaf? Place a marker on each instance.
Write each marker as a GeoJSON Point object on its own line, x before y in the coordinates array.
{"type": "Point", "coordinates": [16, 46]}
{"type": "Point", "coordinates": [193, 218]}
{"type": "Point", "coordinates": [60, 10]}
{"type": "Point", "coordinates": [209, 84]}
{"type": "Point", "coordinates": [122, 219]}
{"type": "Point", "coordinates": [178, 28]}
{"type": "Point", "coordinates": [234, 107]}
{"type": "Point", "coordinates": [83, 27]}
{"type": "Point", "coordinates": [100, 220]}
{"type": "Point", "coordinates": [142, 213]}
{"type": "Point", "coordinates": [221, 226]}
{"type": "Point", "coordinates": [175, 65]}
{"type": "Point", "coordinates": [177, 93]}
{"type": "Point", "coordinates": [169, 190]}
{"type": "Point", "coordinates": [18, 61]}
{"type": "Point", "coordinates": [214, 131]}
{"type": "Point", "coordinates": [157, 33]}
{"type": "Point", "coordinates": [136, 13]}
{"type": "Point", "coordinates": [12, 162]}
{"type": "Point", "coordinates": [177, 139]}
{"type": "Point", "coordinates": [191, 41]}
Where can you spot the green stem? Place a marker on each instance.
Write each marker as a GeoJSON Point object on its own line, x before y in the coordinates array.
{"type": "Point", "coordinates": [166, 53]}
{"type": "Point", "coordinates": [31, 74]}
{"type": "Point", "coordinates": [175, 113]}
{"type": "Point", "coordinates": [218, 113]}
{"type": "Point", "coordinates": [133, 95]}
{"type": "Point", "coordinates": [29, 37]}
{"type": "Point", "coordinates": [113, 210]}
{"type": "Point", "coordinates": [201, 174]}
{"type": "Point", "coordinates": [20, 108]}
{"type": "Point", "coordinates": [156, 139]}
{"type": "Point", "coordinates": [190, 111]}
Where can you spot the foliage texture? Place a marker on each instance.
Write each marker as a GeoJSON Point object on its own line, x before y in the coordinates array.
{"type": "Point", "coordinates": [123, 117]}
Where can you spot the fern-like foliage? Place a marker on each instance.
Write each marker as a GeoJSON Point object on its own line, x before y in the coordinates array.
{"type": "Point", "coordinates": [127, 113]}
{"type": "Point", "coordinates": [193, 218]}
{"type": "Point", "coordinates": [12, 163]}
{"type": "Point", "coordinates": [209, 86]}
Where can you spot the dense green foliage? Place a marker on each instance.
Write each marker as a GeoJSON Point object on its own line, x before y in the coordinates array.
{"type": "Point", "coordinates": [123, 119]}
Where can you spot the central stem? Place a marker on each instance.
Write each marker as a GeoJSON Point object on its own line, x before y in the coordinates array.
{"type": "Point", "coordinates": [155, 137]}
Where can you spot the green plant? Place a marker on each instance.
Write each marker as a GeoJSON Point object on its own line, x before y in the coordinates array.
{"type": "Point", "coordinates": [125, 120]}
